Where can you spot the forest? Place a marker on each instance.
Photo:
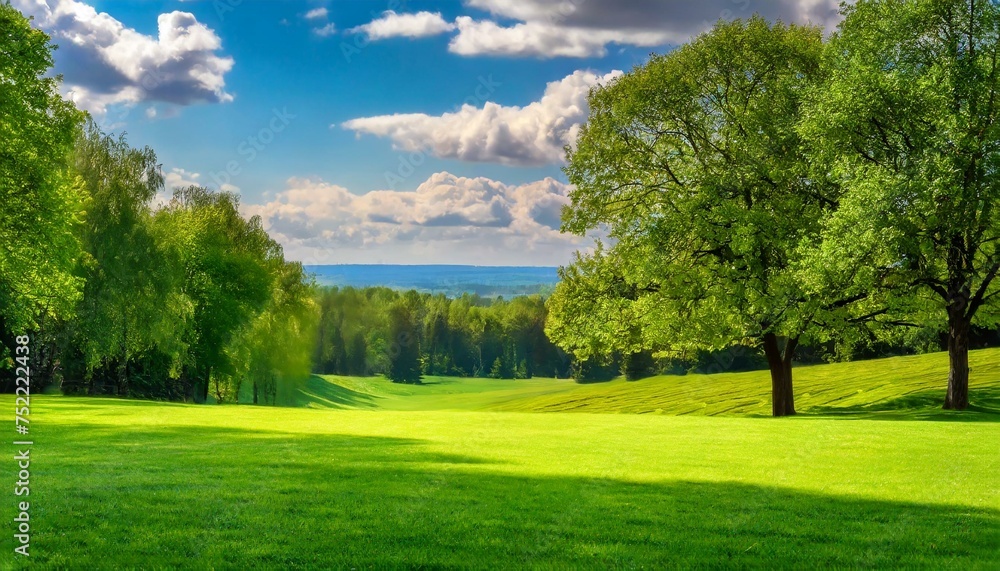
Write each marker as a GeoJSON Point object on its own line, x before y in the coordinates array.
{"type": "Point", "coordinates": [405, 335]}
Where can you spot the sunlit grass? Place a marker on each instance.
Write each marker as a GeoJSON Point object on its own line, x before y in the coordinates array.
{"type": "Point", "coordinates": [118, 483]}
{"type": "Point", "coordinates": [908, 387]}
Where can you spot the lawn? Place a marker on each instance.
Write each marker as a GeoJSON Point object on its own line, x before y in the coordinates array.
{"type": "Point", "coordinates": [899, 387]}
{"type": "Point", "coordinates": [118, 483]}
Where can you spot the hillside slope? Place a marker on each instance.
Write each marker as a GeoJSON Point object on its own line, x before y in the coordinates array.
{"type": "Point", "coordinates": [900, 386]}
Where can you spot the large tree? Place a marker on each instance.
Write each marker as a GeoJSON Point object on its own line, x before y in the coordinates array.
{"type": "Point", "coordinates": [127, 277]}
{"type": "Point", "coordinates": [276, 345]}
{"type": "Point", "coordinates": [404, 336]}
{"type": "Point", "coordinates": [908, 122]}
{"type": "Point", "coordinates": [41, 203]}
{"type": "Point", "coordinates": [694, 165]}
{"type": "Point", "coordinates": [229, 266]}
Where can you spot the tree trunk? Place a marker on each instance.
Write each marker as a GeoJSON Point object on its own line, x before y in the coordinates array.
{"type": "Point", "coordinates": [958, 356]}
{"type": "Point", "coordinates": [8, 339]}
{"type": "Point", "coordinates": [780, 364]}
{"type": "Point", "coordinates": [200, 385]}
{"type": "Point", "coordinates": [122, 388]}
{"type": "Point", "coordinates": [255, 389]}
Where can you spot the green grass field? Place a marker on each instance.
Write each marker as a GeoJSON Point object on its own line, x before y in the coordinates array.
{"type": "Point", "coordinates": [900, 387]}
{"type": "Point", "coordinates": [461, 473]}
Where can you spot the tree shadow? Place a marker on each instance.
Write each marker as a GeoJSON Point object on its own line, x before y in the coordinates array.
{"type": "Point", "coordinates": [316, 391]}
{"type": "Point", "coordinates": [224, 498]}
{"type": "Point", "coordinates": [102, 402]}
{"type": "Point", "coordinates": [920, 405]}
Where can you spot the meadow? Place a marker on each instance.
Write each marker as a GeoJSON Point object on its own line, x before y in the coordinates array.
{"type": "Point", "coordinates": [467, 473]}
{"type": "Point", "coordinates": [898, 387]}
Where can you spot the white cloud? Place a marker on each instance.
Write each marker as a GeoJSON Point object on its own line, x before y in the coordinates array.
{"type": "Point", "coordinates": [317, 14]}
{"type": "Point", "coordinates": [105, 63]}
{"type": "Point", "coordinates": [180, 178]}
{"type": "Point", "coordinates": [327, 30]}
{"type": "Point", "coordinates": [542, 40]}
{"type": "Point", "coordinates": [527, 136]}
{"type": "Point", "coordinates": [418, 25]}
{"type": "Point", "coordinates": [447, 219]}
{"type": "Point", "coordinates": [584, 28]}
{"type": "Point", "coordinates": [681, 19]}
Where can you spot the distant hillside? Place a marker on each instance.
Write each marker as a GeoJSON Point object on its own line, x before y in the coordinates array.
{"type": "Point", "coordinates": [449, 280]}
{"type": "Point", "coordinates": [909, 388]}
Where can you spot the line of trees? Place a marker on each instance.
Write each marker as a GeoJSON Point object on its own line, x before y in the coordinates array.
{"type": "Point", "coordinates": [120, 296]}
{"type": "Point", "coordinates": [765, 187]}
{"type": "Point", "coordinates": [406, 335]}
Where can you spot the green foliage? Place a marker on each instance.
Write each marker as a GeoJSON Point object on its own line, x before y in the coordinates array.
{"type": "Point", "coordinates": [404, 350]}
{"type": "Point", "coordinates": [464, 336]}
{"type": "Point", "coordinates": [908, 124]}
{"type": "Point", "coordinates": [41, 202]}
{"type": "Point", "coordinates": [694, 164]}
{"type": "Point", "coordinates": [497, 371]}
{"type": "Point", "coordinates": [126, 273]}
{"type": "Point", "coordinates": [231, 268]}
{"type": "Point", "coordinates": [173, 302]}
{"type": "Point", "coordinates": [591, 312]}
{"type": "Point", "coordinates": [275, 346]}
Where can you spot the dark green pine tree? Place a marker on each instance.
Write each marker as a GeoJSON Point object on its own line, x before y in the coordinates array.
{"type": "Point", "coordinates": [404, 349]}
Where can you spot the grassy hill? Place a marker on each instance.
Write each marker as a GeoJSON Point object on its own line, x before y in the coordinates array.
{"type": "Point", "coordinates": [911, 387]}
{"type": "Point", "coordinates": [853, 483]}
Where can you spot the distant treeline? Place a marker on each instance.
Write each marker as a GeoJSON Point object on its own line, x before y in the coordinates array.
{"type": "Point", "coordinates": [405, 335]}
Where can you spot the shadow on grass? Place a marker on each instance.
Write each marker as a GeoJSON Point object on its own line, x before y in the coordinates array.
{"type": "Point", "coordinates": [113, 497]}
{"type": "Point", "coordinates": [923, 405]}
{"type": "Point", "coordinates": [102, 402]}
{"type": "Point", "coordinates": [317, 391]}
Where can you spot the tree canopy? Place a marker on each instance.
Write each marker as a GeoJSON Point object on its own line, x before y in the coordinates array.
{"type": "Point", "coordinates": [694, 164]}
{"type": "Point", "coordinates": [907, 123]}
{"type": "Point", "coordinates": [42, 201]}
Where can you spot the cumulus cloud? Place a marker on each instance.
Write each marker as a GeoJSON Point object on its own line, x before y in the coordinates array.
{"type": "Point", "coordinates": [542, 40]}
{"type": "Point", "coordinates": [325, 31]}
{"type": "Point", "coordinates": [103, 62]}
{"type": "Point", "coordinates": [584, 28]}
{"type": "Point", "coordinates": [317, 14]}
{"type": "Point", "coordinates": [447, 219]}
{"type": "Point", "coordinates": [533, 135]}
{"type": "Point", "coordinates": [180, 178]}
{"type": "Point", "coordinates": [418, 25]}
{"type": "Point", "coordinates": [320, 15]}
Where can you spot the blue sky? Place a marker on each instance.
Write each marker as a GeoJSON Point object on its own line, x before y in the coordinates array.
{"type": "Point", "coordinates": [395, 132]}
